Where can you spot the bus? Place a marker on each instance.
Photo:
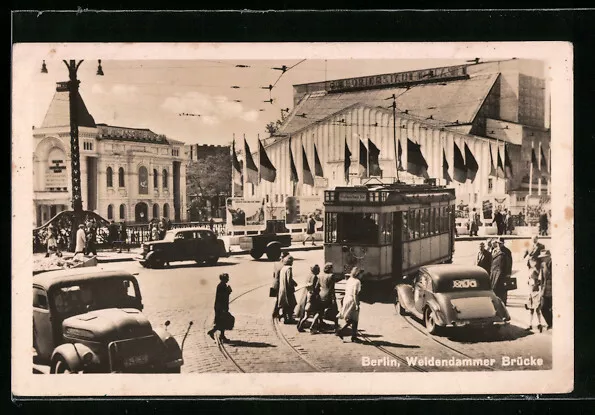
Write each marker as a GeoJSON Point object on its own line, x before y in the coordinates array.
{"type": "Point", "coordinates": [388, 230]}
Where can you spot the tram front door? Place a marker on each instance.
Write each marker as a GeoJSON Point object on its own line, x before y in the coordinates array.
{"type": "Point", "coordinates": [397, 245]}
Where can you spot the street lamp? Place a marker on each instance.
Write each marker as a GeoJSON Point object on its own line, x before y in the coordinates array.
{"type": "Point", "coordinates": [75, 157]}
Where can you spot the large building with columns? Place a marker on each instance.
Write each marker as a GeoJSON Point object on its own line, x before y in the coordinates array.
{"type": "Point", "coordinates": [127, 174]}
{"type": "Point", "coordinates": [484, 106]}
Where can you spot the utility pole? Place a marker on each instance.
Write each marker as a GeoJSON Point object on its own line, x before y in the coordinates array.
{"type": "Point", "coordinates": [394, 106]}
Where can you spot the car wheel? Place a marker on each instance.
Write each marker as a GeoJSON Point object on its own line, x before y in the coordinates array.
{"type": "Point", "coordinates": [212, 260]}
{"type": "Point", "coordinates": [256, 254]}
{"type": "Point", "coordinates": [274, 252]}
{"type": "Point", "coordinates": [157, 263]}
{"type": "Point", "coordinates": [61, 367]}
{"type": "Point", "coordinates": [400, 309]}
{"type": "Point", "coordinates": [430, 320]}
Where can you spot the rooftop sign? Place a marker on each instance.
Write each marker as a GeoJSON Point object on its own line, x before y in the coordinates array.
{"type": "Point", "coordinates": [399, 78]}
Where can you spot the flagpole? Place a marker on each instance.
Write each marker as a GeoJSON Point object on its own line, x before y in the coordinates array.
{"type": "Point", "coordinates": [549, 180]}
{"type": "Point", "coordinates": [233, 150]}
{"type": "Point", "coordinates": [368, 161]}
{"type": "Point", "coordinates": [395, 134]}
{"type": "Point", "coordinates": [531, 171]}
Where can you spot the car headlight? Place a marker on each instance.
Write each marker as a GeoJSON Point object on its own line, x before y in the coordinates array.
{"type": "Point", "coordinates": [79, 333]}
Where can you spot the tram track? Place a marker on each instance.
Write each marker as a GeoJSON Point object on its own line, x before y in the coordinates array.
{"type": "Point", "coordinates": [410, 322]}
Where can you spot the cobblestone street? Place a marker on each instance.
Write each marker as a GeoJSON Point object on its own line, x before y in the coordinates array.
{"type": "Point", "coordinates": [185, 292]}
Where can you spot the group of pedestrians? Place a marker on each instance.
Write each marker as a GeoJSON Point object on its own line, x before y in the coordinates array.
{"type": "Point", "coordinates": [158, 228]}
{"type": "Point", "coordinates": [86, 238]}
{"type": "Point", "coordinates": [318, 300]}
{"type": "Point", "coordinates": [504, 222]}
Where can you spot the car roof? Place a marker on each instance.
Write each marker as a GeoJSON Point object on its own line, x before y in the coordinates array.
{"type": "Point", "coordinates": [190, 229]}
{"type": "Point", "coordinates": [51, 278]}
{"type": "Point", "coordinates": [441, 272]}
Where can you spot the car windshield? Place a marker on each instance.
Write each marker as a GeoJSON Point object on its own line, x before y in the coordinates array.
{"type": "Point", "coordinates": [84, 296]}
{"type": "Point", "coordinates": [169, 236]}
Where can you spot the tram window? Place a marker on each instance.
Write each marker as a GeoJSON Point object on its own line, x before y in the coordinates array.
{"type": "Point", "coordinates": [386, 228]}
{"type": "Point", "coordinates": [358, 227]}
{"type": "Point", "coordinates": [331, 227]}
{"type": "Point", "coordinates": [424, 223]}
{"type": "Point", "coordinates": [415, 223]}
{"type": "Point", "coordinates": [405, 227]}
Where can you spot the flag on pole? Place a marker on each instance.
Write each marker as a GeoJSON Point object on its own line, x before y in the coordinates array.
{"type": "Point", "coordinates": [237, 173]}
{"type": "Point", "coordinates": [251, 170]}
{"type": "Point", "coordinates": [507, 163]}
{"type": "Point", "coordinates": [293, 175]}
{"type": "Point", "coordinates": [416, 163]}
{"type": "Point", "coordinates": [268, 172]}
{"type": "Point", "coordinates": [318, 172]}
{"type": "Point", "coordinates": [347, 161]}
{"type": "Point", "coordinates": [500, 168]}
{"type": "Point", "coordinates": [492, 168]}
{"type": "Point", "coordinates": [307, 173]}
{"type": "Point", "coordinates": [400, 162]}
{"type": "Point", "coordinates": [363, 159]}
{"type": "Point", "coordinates": [471, 165]}
{"type": "Point", "coordinates": [374, 167]}
{"type": "Point", "coordinates": [545, 171]}
{"type": "Point", "coordinates": [445, 166]}
{"type": "Point", "coordinates": [460, 171]}
{"type": "Point", "coordinates": [534, 164]}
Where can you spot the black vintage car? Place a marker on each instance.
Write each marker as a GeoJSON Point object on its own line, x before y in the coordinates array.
{"type": "Point", "coordinates": [184, 244]}
{"type": "Point", "coordinates": [88, 320]}
{"type": "Point", "coordinates": [452, 296]}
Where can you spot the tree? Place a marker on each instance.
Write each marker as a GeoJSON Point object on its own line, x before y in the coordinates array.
{"type": "Point", "coordinates": [273, 127]}
{"type": "Point", "coordinates": [208, 179]}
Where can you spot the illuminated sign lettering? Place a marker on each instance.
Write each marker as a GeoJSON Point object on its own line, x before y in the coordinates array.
{"type": "Point", "coordinates": [377, 81]}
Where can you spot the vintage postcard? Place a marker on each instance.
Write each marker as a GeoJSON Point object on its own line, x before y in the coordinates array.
{"type": "Point", "coordinates": [292, 219]}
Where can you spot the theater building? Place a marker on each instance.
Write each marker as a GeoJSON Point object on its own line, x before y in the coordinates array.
{"type": "Point", "coordinates": [127, 174]}
{"type": "Point", "coordinates": [488, 108]}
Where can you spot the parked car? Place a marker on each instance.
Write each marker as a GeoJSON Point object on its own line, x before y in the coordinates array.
{"type": "Point", "coordinates": [448, 295]}
{"type": "Point", "coordinates": [184, 244]}
{"type": "Point", "coordinates": [90, 320]}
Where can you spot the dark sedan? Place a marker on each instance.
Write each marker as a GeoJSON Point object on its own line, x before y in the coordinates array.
{"type": "Point", "coordinates": [185, 244]}
{"type": "Point", "coordinates": [451, 296]}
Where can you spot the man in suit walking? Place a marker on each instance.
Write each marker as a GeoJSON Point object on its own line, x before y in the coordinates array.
{"type": "Point", "coordinates": [484, 258]}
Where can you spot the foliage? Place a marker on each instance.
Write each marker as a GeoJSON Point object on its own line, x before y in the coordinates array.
{"type": "Point", "coordinates": [206, 179]}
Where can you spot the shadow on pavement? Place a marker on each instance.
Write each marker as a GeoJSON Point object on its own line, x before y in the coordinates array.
{"type": "Point", "coordinates": [389, 344]}
{"type": "Point", "coordinates": [489, 335]}
{"type": "Point", "coordinates": [218, 264]}
{"type": "Point", "coordinates": [242, 343]}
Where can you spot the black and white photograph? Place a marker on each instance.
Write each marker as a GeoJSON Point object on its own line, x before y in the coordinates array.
{"type": "Point", "coordinates": [292, 218]}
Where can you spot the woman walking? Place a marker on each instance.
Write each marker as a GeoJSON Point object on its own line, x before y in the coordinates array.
{"type": "Point", "coordinates": [286, 297]}
{"type": "Point", "coordinates": [536, 291]}
{"type": "Point", "coordinates": [223, 319]}
{"type": "Point", "coordinates": [309, 300]}
{"type": "Point", "coordinates": [328, 301]}
{"type": "Point", "coordinates": [350, 308]}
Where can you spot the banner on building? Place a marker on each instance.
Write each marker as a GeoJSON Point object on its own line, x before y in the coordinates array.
{"type": "Point", "coordinates": [298, 209]}
{"type": "Point", "coordinates": [245, 212]}
{"type": "Point", "coordinates": [487, 208]}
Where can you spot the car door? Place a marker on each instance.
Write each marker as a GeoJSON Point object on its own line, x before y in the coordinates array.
{"type": "Point", "coordinates": [43, 335]}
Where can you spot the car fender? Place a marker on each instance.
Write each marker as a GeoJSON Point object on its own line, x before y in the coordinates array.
{"type": "Point", "coordinates": [72, 353]}
{"type": "Point", "coordinates": [405, 296]}
{"type": "Point", "coordinates": [434, 305]}
{"type": "Point", "coordinates": [222, 251]}
{"type": "Point", "coordinates": [274, 243]}
{"type": "Point", "coordinates": [150, 255]}
{"type": "Point", "coordinates": [173, 350]}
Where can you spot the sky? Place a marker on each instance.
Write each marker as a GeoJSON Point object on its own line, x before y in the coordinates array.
{"type": "Point", "coordinates": [153, 93]}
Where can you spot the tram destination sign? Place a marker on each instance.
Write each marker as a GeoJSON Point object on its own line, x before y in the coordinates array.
{"type": "Point", "coordinates": [353, 197]}
{"type": "Point", "coordinates": [399, 78]}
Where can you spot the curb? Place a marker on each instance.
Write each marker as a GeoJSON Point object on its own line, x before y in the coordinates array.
{"type": "Point", "coordinates": [485, 237]}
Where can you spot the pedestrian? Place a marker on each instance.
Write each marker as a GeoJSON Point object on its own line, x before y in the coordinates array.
{"type": "Point", "coordinates": [309, 301]}
{"type": "Point", "coordinates": [350, 307]}
{"type": "Point", "coordinates": [92, 237]}
{"type": "Point", "coordinates": [310, 230]}
{"type": "Point", "coordinates": [536, 292]}
{"type": "Point", "coordinates": [154, 232]}
{"type": "Point", "coordinates": [498, 272]}
{"type": "Point", "coordinates": [546, 277]}
{"type": "Point", "coordinates": [112, 234]}
{"type": "Point", "coordinates": [474, 223]}
{"type": "Point", "coordinates": [286, 297]}
{"type": "Point", "coordinates": [123, 236]}
{"type": "Point", "coordinates": [509, 223]}
{"type": "Point", "coordinates": [223, 319]}
{"type": "Point", "coordinates": [211, 224]}
{"type": "Point", "coordinates": [543, 223]}
{"type": "Point", "coordinates": [499, 221]}
{"type": "Point", "coordinates": [507, 269]}
{"type": "Point", "coordinates": [536, 249]}
{"type": "Point", "coordinates": [328, 301]}
{"type": "Point", "coordinates": [274, 290]}
{"type": "Point", "coordinates": [52, 242]}
{"type": "Point", "coordinates": [161, 229]}
{"type": "Point", "coordinates": [484, 258]}
{"type": "Point", "coordinates": [81, 240]}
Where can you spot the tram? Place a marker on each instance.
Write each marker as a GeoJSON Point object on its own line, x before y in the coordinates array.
{"type": "Point", "coordinates": [388, 230]}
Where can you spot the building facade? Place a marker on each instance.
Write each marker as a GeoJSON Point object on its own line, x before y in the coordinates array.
{"type": "Point", "coordinates": [127, 174]}
{"type": "Point", "coordinates": [494, 109]}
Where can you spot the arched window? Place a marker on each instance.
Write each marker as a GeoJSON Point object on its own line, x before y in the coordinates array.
{"type": "Point", "coordinates": [166, 211]}
{"type": "Point", "coordinates": [122, 211]}
{"type": "Point", "coordinates": [164, 179]}
{"type": "Point", "coordinates": [155, 179]}
{"type": "Point", "coordinates": [143, 181]}
{"type": "Point", "coordinates": [156, 210]}
{"type": "Point", "coordinates": [121, 182]}
{"type": "Point", "coordinates": [110, 211]}
{"type": "Point", "coordinates": [109, 177]}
